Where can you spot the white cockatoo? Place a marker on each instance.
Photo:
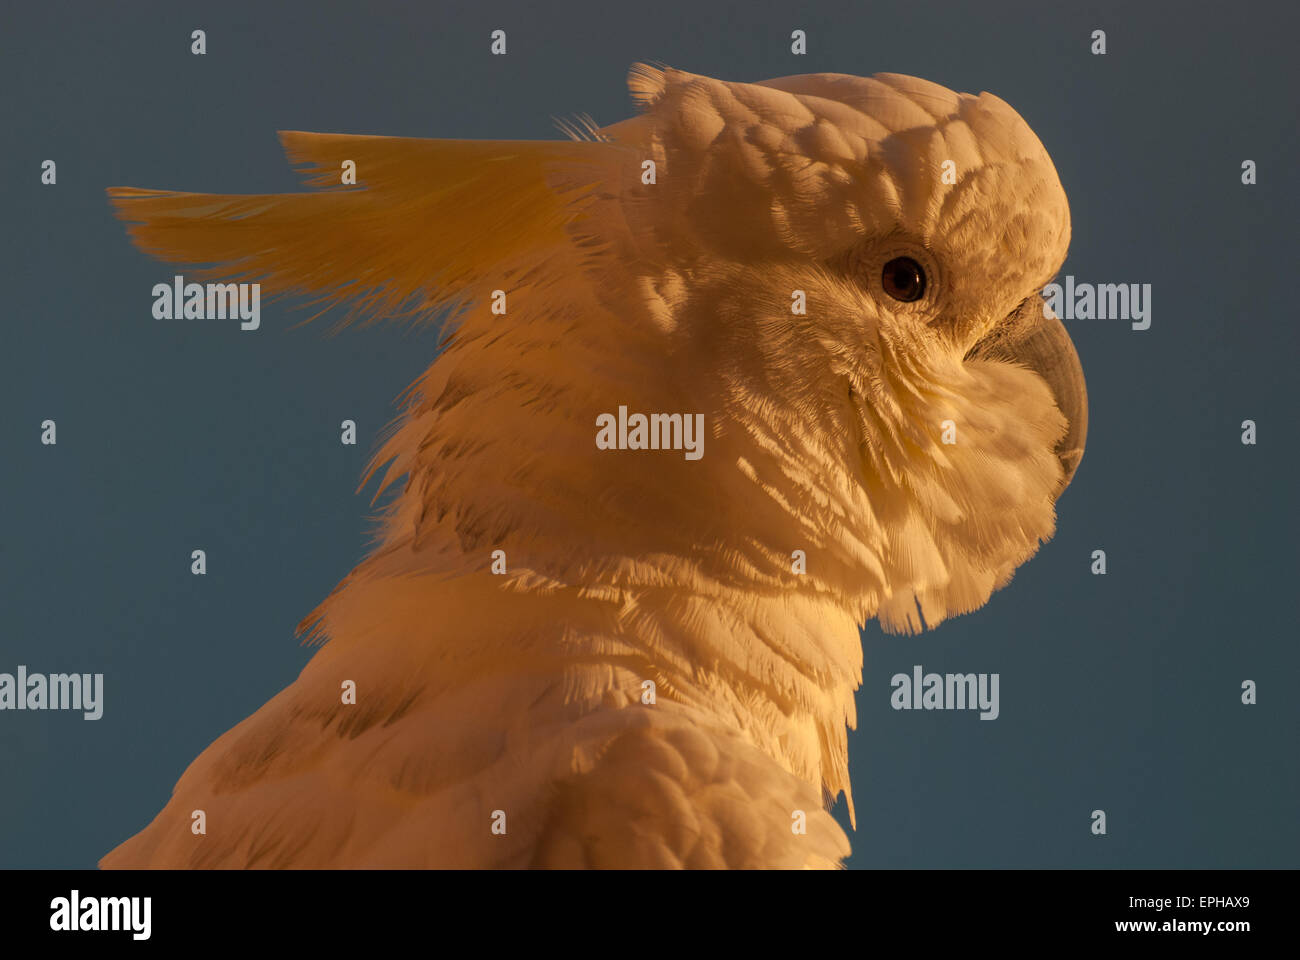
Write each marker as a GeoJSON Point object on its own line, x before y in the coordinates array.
{"type": "Point", "coordinates": [564, 655]}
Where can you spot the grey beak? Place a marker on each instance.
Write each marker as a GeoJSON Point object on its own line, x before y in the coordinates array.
{"type": "Point", "coordinates": [1033, 337]}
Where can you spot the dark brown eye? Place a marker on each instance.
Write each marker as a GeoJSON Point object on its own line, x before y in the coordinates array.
{"type": "Point", "coordinates": [903, 279]}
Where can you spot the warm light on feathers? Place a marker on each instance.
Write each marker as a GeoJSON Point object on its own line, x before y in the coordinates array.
{"type": "Point", "coordinates": [481, 692]}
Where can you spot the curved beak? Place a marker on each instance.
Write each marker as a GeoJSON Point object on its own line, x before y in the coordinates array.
{"type": "Point", "coordinates": [1032, 336]}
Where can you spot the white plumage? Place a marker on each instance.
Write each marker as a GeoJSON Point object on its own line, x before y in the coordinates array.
{"type": "Point", "coordinates": [522, 692]}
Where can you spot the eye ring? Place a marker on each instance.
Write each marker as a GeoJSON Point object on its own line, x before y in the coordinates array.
{"type": "Point", "coordinates": [872, 266]}
{"type": "Point", "coordinates": [903, 279]}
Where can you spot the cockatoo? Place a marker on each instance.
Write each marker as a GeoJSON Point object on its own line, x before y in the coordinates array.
{"type": "Point", "coordinates": [570, 656]}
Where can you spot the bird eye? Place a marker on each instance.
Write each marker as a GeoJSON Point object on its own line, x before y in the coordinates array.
{"type": "Point", "coordinates": [903, 279]}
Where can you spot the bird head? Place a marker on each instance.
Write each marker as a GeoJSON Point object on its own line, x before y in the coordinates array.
{"type": "Point", "coordinates": [856, 264]}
